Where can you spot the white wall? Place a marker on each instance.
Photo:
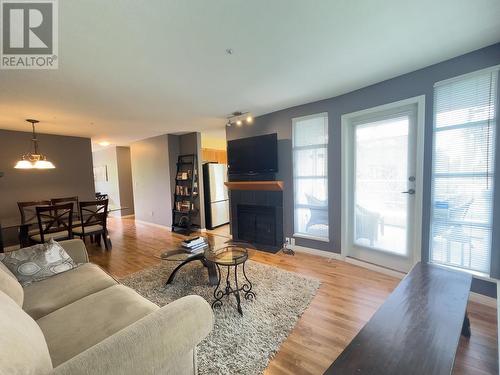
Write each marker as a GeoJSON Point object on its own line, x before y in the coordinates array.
{"type": "Point", "coordinates": [107, 157]}
{"type": "Point", "coordinates": [151, 180]}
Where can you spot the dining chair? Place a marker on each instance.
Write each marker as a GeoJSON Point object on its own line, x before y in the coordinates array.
{"type": "Point", "coordinates": [54, 221]}
{"type": "Point", "coordinates": [28, 211]}
{"type": "Point", "coordinates": [94, 215]}
{"type": "Point", "coordinates": [29, 220]}
{"type": "Point", "coordinates": [74, 200]}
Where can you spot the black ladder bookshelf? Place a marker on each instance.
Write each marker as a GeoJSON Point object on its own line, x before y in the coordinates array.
{"type": "Point", "coordinates": [185, 194]}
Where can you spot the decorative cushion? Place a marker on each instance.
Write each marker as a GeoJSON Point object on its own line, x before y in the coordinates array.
{"type": "Point", "coordinates": [37, 262]}
{"type": "Point", "coordinates": [10, 286]}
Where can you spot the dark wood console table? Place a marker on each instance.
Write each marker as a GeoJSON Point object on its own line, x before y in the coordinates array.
{"type": "Point", "coordinates": [416, 330]}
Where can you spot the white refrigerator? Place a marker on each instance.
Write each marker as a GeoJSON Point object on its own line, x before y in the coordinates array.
{"type": "Point", "coordinates": [216, 195]}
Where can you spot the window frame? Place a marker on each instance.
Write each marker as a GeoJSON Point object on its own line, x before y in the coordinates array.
{"type": "Point", "coordinates": [296, 205]}
{"type": "Point", "coordinates": [468, 125]}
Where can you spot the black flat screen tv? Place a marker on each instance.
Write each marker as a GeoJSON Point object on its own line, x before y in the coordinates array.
{"type": "Point", "coordinates": [253, 155]}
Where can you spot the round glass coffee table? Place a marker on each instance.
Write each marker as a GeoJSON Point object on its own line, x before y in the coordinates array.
{"type": "Point", "coordinates": [229, 257]}
{"type": "Point", "coordinates": [184, 257]}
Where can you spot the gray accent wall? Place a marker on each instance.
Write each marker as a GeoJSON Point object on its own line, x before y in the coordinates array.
{"type": "Point", "coordinates": [73, 175]}
{"type": "Point", "coordinates": [413, 84]}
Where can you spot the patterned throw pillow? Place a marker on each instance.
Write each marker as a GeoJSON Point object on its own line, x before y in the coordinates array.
{"type": "Point", "coordinates": [38, 262]}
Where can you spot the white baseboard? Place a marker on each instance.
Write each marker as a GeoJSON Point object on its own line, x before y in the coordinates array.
{"type": "Point", "coordinates": [127, 216]}
{"type": "Point", "coordinates": [321, 253]}
{"type": "Point", "coordinates": [202, 230]}
{"type": "Point", "coordinates": [374, 267]}
{"type": "Point", "coordinates": [338, 256]}
{"type": "Point", "coordinates": [154, 224]}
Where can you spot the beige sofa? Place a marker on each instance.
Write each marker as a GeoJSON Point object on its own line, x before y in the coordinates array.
{"type": "Point", "coordinates": [83, 322]}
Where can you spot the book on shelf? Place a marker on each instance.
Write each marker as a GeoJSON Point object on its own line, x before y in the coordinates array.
{"type": "Point", "coordinates": [182, 190]}
{"type": "Point", "coordinates": [184, 175]}
{"type": "Point", "coordinates": [184, 206]}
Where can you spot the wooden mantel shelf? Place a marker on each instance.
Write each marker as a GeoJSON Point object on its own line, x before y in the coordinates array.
{"type": "Point", "coordinates": [255, 185]}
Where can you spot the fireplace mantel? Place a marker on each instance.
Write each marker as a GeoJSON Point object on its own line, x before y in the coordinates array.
{"type": "Point", "coordinates": [255, 185]}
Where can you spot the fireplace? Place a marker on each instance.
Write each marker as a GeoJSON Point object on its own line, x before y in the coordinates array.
{"type": "Point", "coordinates": [257, 218]}
{"type": "Point", "coordinates": [257, 224]}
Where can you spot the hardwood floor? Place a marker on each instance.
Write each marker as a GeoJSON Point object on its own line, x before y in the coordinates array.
{"type": "Point", "coordinates": [223, 230]}
{"type": "Point", "coordinates": [347, 298]}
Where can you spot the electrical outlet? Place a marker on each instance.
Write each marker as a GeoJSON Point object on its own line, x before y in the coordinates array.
{"type": "Point", "coordinates": [292, 241]}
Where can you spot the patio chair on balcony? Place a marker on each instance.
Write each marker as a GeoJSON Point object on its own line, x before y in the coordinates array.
{"type": "Point", "coordinates": [367, 224]}
{"type": "Point", "coordinates": [318, 217]}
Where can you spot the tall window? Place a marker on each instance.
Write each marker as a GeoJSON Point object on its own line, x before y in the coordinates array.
{"type": "Point", "coordinates": [310, 176]}
{"type": "Point", "coordinates": [463, 170]}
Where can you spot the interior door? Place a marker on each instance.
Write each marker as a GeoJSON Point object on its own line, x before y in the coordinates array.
{"type": "Point", "coordinates": [382, 177]}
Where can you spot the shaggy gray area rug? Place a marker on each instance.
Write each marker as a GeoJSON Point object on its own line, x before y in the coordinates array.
{"type": "Point", "coordinates": [238, 344]}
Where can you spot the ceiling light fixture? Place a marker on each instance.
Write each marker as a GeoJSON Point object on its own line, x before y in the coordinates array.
{"type": "Point", "coordinates": [238, 118]}
{"type": "Point", "coordinates": [34, 160]}
{"type": "Point", "coordinates": [104, 143]}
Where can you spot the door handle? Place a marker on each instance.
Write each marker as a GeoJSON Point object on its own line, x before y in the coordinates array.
{"type": "Point", "coordinates": [410, 191]}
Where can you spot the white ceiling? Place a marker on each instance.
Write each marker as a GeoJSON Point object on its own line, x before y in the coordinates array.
{"type": "Point", "coordinates": [132, 69]}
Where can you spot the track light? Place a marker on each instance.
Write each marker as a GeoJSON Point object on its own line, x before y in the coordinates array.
{"type": "Point", "coordinates": [237, 118]}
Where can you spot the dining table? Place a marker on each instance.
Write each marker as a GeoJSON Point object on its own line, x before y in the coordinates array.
{"type": "Point", "coordinates": [24, 228]}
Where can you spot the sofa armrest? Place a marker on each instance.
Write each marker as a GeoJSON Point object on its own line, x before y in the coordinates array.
{"type": "Point", "coordinates": [76, 250]}
{"type": "Point", "coordinates": [152, 345]}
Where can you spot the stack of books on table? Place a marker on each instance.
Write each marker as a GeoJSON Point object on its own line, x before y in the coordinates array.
{"type": "Point", "coordinates": [195, 244]}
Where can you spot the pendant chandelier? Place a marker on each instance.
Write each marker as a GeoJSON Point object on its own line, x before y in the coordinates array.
{"type": "Point", "coordinates": [34, 160]}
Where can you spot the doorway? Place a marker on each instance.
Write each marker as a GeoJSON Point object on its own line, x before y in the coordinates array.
{"type": "Point", "coordinates": [382, 184]}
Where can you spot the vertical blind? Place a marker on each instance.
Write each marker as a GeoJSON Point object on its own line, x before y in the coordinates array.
{"type": "Point", "coordinates": [310, 176]}
{"type": "Point", "coordinates": [463, 170]}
